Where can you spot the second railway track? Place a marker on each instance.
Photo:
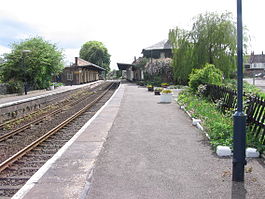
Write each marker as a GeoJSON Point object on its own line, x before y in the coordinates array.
{"type": "Point", "coordinates": [17, 169]}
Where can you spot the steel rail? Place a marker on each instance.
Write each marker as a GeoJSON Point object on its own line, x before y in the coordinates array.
{"type": "Point", "coordinates": [35, 112]}
{"type": "Point", "coordinates": [28, 125]}
{"type": "Point", "coordinates": [31, 146]}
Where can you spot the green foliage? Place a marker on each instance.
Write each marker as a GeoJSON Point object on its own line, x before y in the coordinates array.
{"type": "Point", "coordinates": [36, 67]}
{"type": "Point", "coordinates": [97, 53]}
{"type": "Point", "coordinates": [164, 84]}
{"type": "Point", "coordinates": [211, 40]}
{"type": "Point", "coordinates": [141, 62]}
{"type": "Point", "coordinates": [158, 89]}
{"type": "Point", "coordinates": [182, 55]}
{"type": "Point", "coordinates": [14, 86]}
{"type": "Point", "coordinates": [218, 126]}
{"type": "Point", "coordinates": [154, 80]}
{"type": "Point", "coordinates": [209, 74]}
{"type": "Point", "coordinates": [214, 37]}
{"type": "Point", "coordinates": [249, 89]}
{"type": "Point", "coordinates": [166, 91]}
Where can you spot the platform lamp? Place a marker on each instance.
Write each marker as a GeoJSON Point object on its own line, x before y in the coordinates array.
{"type": "Point", "coordinates": [24, 52]}
{"type": "Point", "coordinates": [239, 138]}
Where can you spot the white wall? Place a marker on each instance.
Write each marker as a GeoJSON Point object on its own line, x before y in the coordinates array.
{"type": "Point", "coordinates": [257, 65]}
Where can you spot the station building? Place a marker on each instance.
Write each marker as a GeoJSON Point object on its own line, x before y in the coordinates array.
{"type": "Point", "coordinates": [81, 72]}
{"type": "Point", "coordinates": [132, 72]}
{"type": "Point", "coordinates": [160, 51]}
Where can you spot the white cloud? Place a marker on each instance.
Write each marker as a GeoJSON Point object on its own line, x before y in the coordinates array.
{"type": "Point", "coordinates": [125, 27]}
{"type": "Point", "coordinates": [70, 54]}
{"type": "Point", "coordinates": [4, 49]}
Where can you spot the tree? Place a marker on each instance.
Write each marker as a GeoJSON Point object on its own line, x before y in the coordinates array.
{"type": "Point", "coordinates": [182, 54]}
{"type": "Point", "coordinates": [214, 38]}
{"type": "Point", "coordinates": [97, 53]}
{"type": "Point", "coordinates": [209, 74]}
{"type": "Point", "coordinates": [37, 67]}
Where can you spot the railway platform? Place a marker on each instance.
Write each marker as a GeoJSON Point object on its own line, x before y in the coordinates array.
{"type": "Point", "coordinates": [137, 148]}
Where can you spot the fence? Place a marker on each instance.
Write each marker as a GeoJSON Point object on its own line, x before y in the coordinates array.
{"type": "Point", "coordinates": [254, 108]}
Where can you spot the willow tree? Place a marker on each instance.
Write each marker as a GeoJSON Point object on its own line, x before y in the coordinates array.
{"type": "Point", "coordinates": [214, 38]}
{"type": "Point", "coordinates": [182, 54]}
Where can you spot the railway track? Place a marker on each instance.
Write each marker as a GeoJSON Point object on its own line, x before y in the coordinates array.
{"type": "Point", "coordinates": [50, 109]}
{"type": "Point", "coordinates": [16, 170]}
{"type": "Point", "coordinates": [57, 108]}
{"type": "Point", "coordinates": [10, 141]}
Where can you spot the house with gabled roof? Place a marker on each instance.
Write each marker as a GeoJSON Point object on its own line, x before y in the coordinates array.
{"type": "Point", "coordinates": [161, 52]}
{"type": "Point", "coordinates": [162, 49]}
{"type": "Point", "coordinates": [257, 61]}
{"type": "Point", "coordinates": [81, 72]}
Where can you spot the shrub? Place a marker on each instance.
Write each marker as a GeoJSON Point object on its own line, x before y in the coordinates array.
{"type": "Point", "coordinates": [14, 87]}
{"type": "Point", "coordinates": [219, 126]}
{"type": "Point", "coordinates": [158, 89]}
{"type": "Point", "coordinates": [209, 74]}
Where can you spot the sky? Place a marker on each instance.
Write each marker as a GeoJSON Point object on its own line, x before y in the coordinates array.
{"type": "Point", "coordinates": [124, 26]}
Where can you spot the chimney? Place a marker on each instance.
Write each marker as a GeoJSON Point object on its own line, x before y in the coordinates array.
{"type": "Point", "coordinates": [135, 58]}
{"type": "Point", "coordinates": [262, 52]}
{"type": "Point", "coordinates": [76, 61]}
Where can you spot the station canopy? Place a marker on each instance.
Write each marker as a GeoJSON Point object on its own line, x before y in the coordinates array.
{"type": "Point", "coordinates": [123, 66]}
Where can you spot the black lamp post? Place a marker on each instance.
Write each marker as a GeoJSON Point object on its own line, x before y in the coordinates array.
{"type": "Point", "coordinates": [23, 64]}
{"type": "Point", "coordinates": [239, 139]}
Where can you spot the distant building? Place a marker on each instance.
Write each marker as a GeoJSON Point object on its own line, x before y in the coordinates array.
{"type": "Point", "coordinates": [132, 72]}
{"type": "Point", "coordinates": [257, 61]}
{"type": "Point", "coordinates": [160, 50]}
{"type": "Point", "coordinates": [81, 72]}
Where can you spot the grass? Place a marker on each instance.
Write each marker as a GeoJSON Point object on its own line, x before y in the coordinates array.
{"type": "Point", "coordinates": [218, 126]}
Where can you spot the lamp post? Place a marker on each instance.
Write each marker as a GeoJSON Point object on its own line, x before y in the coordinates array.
{"type": "Point", "coordinates": [239, 138]}
{"type": "Point", "coordinates": [24, 52]}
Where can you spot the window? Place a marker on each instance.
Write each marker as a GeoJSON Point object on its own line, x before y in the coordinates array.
{"type": "Point", "coordinates": [69, 76]}
{"type": "Point", "coordinates": [162, 55]}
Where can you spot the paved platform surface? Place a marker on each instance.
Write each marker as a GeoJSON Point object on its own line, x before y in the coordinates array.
{"type": "Point", "coordinates": [151, 151]}
{"type": "Point", "coordinates": [14, 98]}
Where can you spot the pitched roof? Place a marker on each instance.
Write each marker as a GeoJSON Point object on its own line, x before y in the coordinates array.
{"type": "Point", "coordinates": [257, 58]}
{"type": "Point", "coordinates": [123, 66]}
{"type": "Point", "coordinates": [83, 63]}
{"type": "Point", "coordinates": [165, 44]}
